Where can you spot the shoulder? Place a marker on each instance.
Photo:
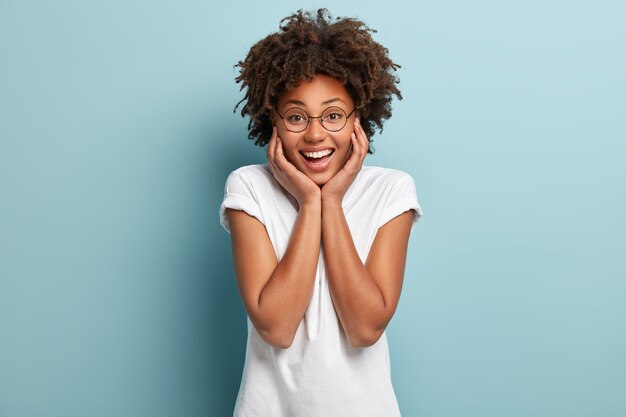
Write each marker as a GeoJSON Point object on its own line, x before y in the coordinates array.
{"type": "Point", "coordinates": [250, 176]}
{"type": "Point", "coordinates": [252, 172]}
{"type": "Point", "coordinates": [394, 189]}
{"type": "Point", "coordinates": [376, 171]}
{"type": "Point", "coordinates": [244, 190]}
{"type": "Point", "coordinates": [374, 176]}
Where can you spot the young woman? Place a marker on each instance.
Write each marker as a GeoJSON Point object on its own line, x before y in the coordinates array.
{"type": "Point", "coordinates": [319, 240]}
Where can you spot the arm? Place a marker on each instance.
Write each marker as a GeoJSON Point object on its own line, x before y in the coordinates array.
{"type": "Point", "coordinates": [277, 294]}
{"type": "Point", "coordinates": [365, 296]}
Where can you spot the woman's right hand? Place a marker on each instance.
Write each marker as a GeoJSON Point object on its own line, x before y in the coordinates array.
{"type": "Point", "coordinates": [301, 187]}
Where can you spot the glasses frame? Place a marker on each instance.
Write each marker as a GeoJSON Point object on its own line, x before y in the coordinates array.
{"type": "Point", "coordinates": [308, 120]}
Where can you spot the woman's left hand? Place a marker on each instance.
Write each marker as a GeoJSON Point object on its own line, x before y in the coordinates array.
{"type": "Point", "coordinates": [337, 186]}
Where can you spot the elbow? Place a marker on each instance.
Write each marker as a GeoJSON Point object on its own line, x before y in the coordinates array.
{"type": "Point", "coordinates": [281, 343]}
{"type": "Point", "coordinates": [276, 333]}
{"type": "Point", "coordinates": [279, 338]}
{"type": "Point", "coordinates": [365, 337]}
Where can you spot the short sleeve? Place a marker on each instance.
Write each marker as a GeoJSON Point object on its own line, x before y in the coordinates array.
{"type": "Point", "coordinates": [402, 197]}
{"type": "Point", "coordinates": [239, 194]}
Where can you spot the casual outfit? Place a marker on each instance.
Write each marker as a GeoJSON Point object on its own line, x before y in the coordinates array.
{"type": "Point", "coordinates": [320, 374]}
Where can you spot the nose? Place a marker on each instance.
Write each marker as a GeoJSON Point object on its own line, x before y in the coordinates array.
{"type": "Point", "coordinates": [315, 132]}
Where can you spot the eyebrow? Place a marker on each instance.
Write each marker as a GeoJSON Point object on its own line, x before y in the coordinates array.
{"type": "Point", "coordinates": [302, 103]}
{"type": "Point", "coordinates": [331, 100]}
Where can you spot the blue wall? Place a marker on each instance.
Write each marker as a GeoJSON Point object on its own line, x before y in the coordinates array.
{"type": "Point", "coordinates": [117, 295]}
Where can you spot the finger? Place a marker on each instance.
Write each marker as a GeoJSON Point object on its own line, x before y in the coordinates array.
{"type": "Point", "coordinates": [354, 156]}
{"type": "Point", "coordinates": [359, 131]}
{"type": "Point", "coordinates": [270, 145]}
{"type": "Point", "coordinates": [277, 153]}
{"type": "Point", "coordinates": [272, 151]}
{"type": "Point", "coordinates": [279, 156]}
{"type": "Point", "coordinates": [362, 149]}
{"type": "Point", "coordinates": [281, 159]}
{"type": "Point", "coordinates": [363, 140]}
{"type": "Point", "coordinates": [364, 146]}
{"type": "Point", "coordinates": [357, 153]}
{"type": "Point", "coordinates": [279, 148]}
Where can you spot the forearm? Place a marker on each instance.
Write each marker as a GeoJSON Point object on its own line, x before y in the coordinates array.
{"type": "Point", "coordinates": [358, 301]}
{"type": "Point", "coordinates": [286, 295]}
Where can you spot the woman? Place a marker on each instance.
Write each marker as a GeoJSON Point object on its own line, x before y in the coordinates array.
{"type": "Point", "coordinates": [319, 241]}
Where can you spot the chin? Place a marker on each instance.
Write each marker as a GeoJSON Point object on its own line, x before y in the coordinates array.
{"type": "Point", "coordinates": [320, 180]}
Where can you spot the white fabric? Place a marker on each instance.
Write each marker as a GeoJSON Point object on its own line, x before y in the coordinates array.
{"type": "Point", "coordinates": [319, 375]}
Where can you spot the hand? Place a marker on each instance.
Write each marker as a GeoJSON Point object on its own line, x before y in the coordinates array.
{"type": "Point", "coordinates": [301, 187]}
{"type": "Point", "coordinates": [337, 186]}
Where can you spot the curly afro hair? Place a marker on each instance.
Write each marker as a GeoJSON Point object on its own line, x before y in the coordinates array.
{"type": "Point", "coordinates": [307, 45]}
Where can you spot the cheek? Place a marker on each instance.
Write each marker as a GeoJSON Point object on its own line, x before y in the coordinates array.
{"type": "Point", "coordinates": [345, 141]}
{"type": "Point", "coordinates": [285, 135]}
{"type": "Point", "coordinates": [289, 145]}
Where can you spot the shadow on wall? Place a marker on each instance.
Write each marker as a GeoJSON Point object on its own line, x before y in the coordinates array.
{"type": "Point", "coordinates": [227, 317]}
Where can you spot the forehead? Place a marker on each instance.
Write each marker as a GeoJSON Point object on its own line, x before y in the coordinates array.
{"type": "Point", "coordinates": [316, 92]}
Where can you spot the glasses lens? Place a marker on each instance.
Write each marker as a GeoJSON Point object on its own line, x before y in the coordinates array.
{"type": "Point", "coordinates": [334, 119]}
{"type": "Point", "coordinates": [295, 119]}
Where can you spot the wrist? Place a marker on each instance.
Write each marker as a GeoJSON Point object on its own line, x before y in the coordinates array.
{"type": "Point", "coordinates": [311, 202]}
{"type": "Point", "coordinates": [330, 201]}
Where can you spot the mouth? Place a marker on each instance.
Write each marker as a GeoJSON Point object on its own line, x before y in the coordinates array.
{"type": "Point", "coordinates": [318, 160]}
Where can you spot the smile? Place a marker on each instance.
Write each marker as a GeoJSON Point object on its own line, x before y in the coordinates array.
{"type": "Point", "coordinates": [319, 154]}
{"type": "Point", "coordinates": [319, 160]}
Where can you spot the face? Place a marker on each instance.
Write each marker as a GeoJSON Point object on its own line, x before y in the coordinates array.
{"type": "Point", "coordinates": [304, 149]}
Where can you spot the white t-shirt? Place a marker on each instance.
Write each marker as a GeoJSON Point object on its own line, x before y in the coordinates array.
{"type": "Point", "coordinates": [320, 374]}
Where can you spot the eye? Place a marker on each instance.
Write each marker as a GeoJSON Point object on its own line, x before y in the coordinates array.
{"type": "Point", "coordinates": [295, 118]}
{"type": "Point", "coordinates": [334, 116]}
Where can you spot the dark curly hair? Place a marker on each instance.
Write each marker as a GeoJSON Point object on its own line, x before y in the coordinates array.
{"type": "Point", "coordinates": [307, 45]}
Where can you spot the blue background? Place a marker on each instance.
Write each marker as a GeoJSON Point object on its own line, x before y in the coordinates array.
{"type": "Point", "coordinates": [117, 295]}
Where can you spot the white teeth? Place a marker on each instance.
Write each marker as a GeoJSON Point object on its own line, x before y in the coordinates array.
{"type": "Point", "coordinates": [317, 154]}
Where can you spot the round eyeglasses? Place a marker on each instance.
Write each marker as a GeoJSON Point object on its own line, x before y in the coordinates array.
{"type": "Point", "coordinates": [332, 119]}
